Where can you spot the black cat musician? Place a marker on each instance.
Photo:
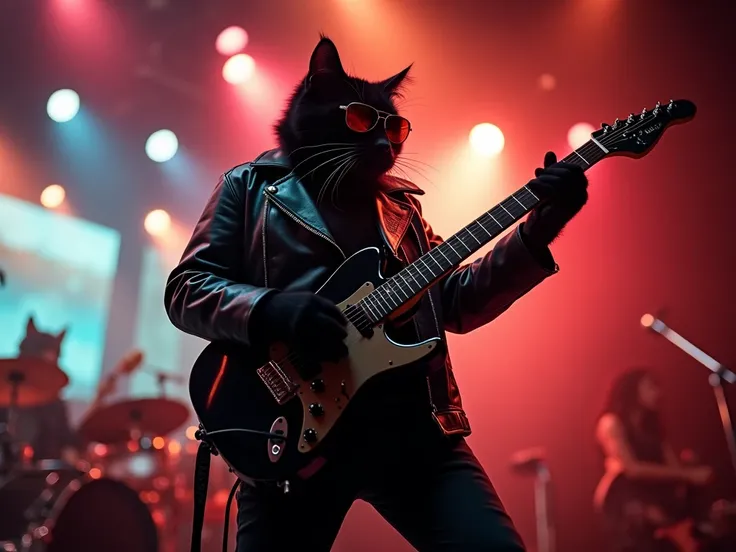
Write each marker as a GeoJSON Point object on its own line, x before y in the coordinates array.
{"type": "Point", "coordinates": [43, 427]}
{"type": "Point", "coordinates": [326, 296]}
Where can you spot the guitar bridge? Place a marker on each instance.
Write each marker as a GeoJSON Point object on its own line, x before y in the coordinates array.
{"type": "Point", "coordinates": [277, 382]}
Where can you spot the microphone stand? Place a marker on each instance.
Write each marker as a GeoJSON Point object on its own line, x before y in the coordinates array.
{"type": "Point", "coordinates": [533, 462]}
{"type": "Point", "coordinates": [719, 374]}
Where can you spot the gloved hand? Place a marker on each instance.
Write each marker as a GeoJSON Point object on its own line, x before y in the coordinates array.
{"type": "Point", "coordinates": [563, 189]}
{"type": "Point", "coordinates": [312, 324]}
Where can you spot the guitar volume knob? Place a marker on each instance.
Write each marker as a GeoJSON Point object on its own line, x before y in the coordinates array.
{"type": "Point", "coordinates": [317, 385]}
{"type": "Point", "coordinates": [310, 435]}
{"type": "Point", "coordinates": [316, 409]}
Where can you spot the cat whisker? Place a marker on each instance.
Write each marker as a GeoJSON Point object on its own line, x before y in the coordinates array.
{"type": "Point", "coordinates": [336, 158]}
{"type": "Point", "coordinates": [410, 160]}
{"type": "Point", "coordinates": [345, 150]}
{"type": "Point", "coordinates": [335, 188]}
{"type": "Point", "coordinates": [401, 165]}
{"type": "Point", "coordinates": [326, 184]}
{"type": "Point", "coordinates": [328, 144]}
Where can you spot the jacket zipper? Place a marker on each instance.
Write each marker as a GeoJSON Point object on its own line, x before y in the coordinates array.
{"type": "Point", "coordinates": [303, 224]}
{"type": "Point", "coordinates": [416, 327]}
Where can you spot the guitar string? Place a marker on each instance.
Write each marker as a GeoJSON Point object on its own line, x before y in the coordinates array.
{"type": "Point", "coordinates": [358, 317]}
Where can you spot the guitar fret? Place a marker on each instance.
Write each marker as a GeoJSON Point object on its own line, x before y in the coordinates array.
{"type": "Point", "coordinates": [440, 250]}
{"type": "Point", "coordinates": [473, 236]}
{"type": "Point", "coordinates": [427, 267]}
{"type": "Point", "coordinates": [450, 246]}
{"type": "Point", "coordinates": [484, 229]}
{"type": "Point", "coordinates": [462, 242]}
{"type": "Point", "coordinates": [413, 291]}
{"type": "Point", "coordinates": [533, 195]}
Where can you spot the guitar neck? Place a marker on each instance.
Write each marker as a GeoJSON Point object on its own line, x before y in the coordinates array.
{"type": "Point", "coordinates": [433, 265]}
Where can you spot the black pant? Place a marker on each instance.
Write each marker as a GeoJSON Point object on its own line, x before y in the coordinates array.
{"type": "Point", "coordinates": [430, 488]}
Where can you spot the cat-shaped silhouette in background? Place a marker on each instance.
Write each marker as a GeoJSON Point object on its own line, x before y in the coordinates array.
{"type": "Point", "coordinates": [41, 344]}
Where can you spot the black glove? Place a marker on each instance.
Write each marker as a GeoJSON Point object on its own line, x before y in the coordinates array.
{"type": "Point", "coordinates": [312, 324]}
{"type": "Point", "coordinates": [563, 189]}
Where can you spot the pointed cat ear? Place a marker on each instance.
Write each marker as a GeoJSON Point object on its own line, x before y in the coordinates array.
{"type": "Point", "coordinates": [325, 59]}
{"type": "Point", "coordinates": [31, 325]}
{"type": "Point", "coordinates": [61, 335]}
{"type": "Point", "coordinates": [392, 85]}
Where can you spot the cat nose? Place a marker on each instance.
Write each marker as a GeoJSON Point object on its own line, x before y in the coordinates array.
{"type": "Point", "coordinates": [382, 144]}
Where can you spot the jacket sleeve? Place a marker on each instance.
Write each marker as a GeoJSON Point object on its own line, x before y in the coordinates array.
{"type": "Point", "coordinates": [476, 293]}
{"type": "Point", "coordinates": [207, 295]}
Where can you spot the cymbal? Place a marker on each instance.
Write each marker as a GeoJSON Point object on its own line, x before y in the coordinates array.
{"type": "Point", "coordinates": [38, 381]}
{"type": "Point", "coordinates": [114, 423]}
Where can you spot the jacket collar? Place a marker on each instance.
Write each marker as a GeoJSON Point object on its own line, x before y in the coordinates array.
{"type": "Point", "coordinates": [394, 211]}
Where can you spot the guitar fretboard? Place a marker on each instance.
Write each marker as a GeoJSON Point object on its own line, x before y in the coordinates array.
{"type": "Point", "coordinates": [433, 265]}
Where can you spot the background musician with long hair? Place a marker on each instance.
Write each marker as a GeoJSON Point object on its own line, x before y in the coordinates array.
{"type": "Point", "coordinates": [646, 493]}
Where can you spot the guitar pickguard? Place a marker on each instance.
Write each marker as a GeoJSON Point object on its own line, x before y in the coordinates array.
{"type": "Point", "coordinates": [325, 397]}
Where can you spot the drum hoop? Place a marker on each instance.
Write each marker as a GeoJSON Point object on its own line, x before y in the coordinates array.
{"type": "Point", "coordinates": [63, 498]}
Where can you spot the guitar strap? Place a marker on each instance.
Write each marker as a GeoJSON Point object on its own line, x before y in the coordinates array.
{"type": "Point", "coordinates": [201, 484]}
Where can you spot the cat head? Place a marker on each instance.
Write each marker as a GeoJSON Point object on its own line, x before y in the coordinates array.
{"type": "Point", "coordinates": [40, 344]}
{"type": "Point", "coordinates": [314, 132]}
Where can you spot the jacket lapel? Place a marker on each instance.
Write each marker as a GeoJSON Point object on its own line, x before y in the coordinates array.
{"type": "Point", "coordinates": [394, 212]}
{"type": "Point", "coordinates": [291, 195]}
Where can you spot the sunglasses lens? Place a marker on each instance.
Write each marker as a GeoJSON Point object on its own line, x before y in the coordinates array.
{"type": "Point", "coordinates": [397, 129]}
{"type": "Point", "coordinates": [361, 118]}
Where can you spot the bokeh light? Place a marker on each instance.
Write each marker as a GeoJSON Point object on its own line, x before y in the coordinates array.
{"type": "Point", "coordinates": [63, 105]}
{"type": "Point", "coordinates": [53, 196]}
{"type": "Point", "coordinates": [238, 69]}
{"type": "Point", "coordinates": [547, 82]}
{"type": "Point", "coordinates": [157, 222]}
{"type": "Point", "coordinates": [231, 41]}
{"type": "Point", "coordinates": [579, 134]}
{"type": "Point", "coordinates": [191, 432]}
{"type": "Point", "coordinates": [487, 139]}
{"type": "Point", "coordinates": [161, 146]}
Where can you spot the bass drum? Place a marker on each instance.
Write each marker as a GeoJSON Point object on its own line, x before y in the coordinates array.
{"type": "Point", "coordinates": [64, 510]}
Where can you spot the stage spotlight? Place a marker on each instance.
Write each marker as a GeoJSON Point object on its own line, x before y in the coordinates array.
{"type": "Point", "coordinates": [231, 41]}
{"type": "Point", "coordinates": [161, 146]}
{"type": "Point", "coordinates": [238, 69]}
{"type": "Point", "coordinates": [53, 196]}
{"type": "Point", "coordinates": [157, 222]}
{"type": "Point", "coordinates": [63, 105]}
{"type": "Point", "coordinates": [547, 82]}
{"type": "Point", "coordinates": [579, 134]}
{"type": "Point", "coordinates": [487, 139]}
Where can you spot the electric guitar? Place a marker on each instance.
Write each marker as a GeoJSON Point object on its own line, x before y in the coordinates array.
{"type": "Point", "coordinates": [270, 420]}
{"type": "Point", "coordinates": [681, 517]}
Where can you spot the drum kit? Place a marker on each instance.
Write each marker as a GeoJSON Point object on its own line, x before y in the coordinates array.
{"type": "Point", "coordinates": [125, 493]}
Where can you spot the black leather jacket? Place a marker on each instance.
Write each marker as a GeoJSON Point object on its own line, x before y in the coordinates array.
{"type": "Point", "coordinates": [260, 231]}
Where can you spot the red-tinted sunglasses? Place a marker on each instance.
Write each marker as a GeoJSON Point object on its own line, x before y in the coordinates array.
{"type": "Point", "coordinates": [364, 118]}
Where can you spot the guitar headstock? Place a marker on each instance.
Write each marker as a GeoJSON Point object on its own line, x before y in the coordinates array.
{"type": "Point", "coordinates": [636, 135]}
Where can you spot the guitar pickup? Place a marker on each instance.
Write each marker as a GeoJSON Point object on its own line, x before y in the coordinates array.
{"type": "Point", "coordinates": [277, 382]}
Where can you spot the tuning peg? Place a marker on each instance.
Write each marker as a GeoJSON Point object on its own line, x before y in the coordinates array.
{"type": "Point", "coordinates": [606, 127]}
{"type": "Point", "coordinates": [630, 118]}
{"type": "Point", "coordinates": [671, 105]}
{"type": "Point", "coordinates": [643, 113]}
{"type": "Point", "coordinates": [615, 123]}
